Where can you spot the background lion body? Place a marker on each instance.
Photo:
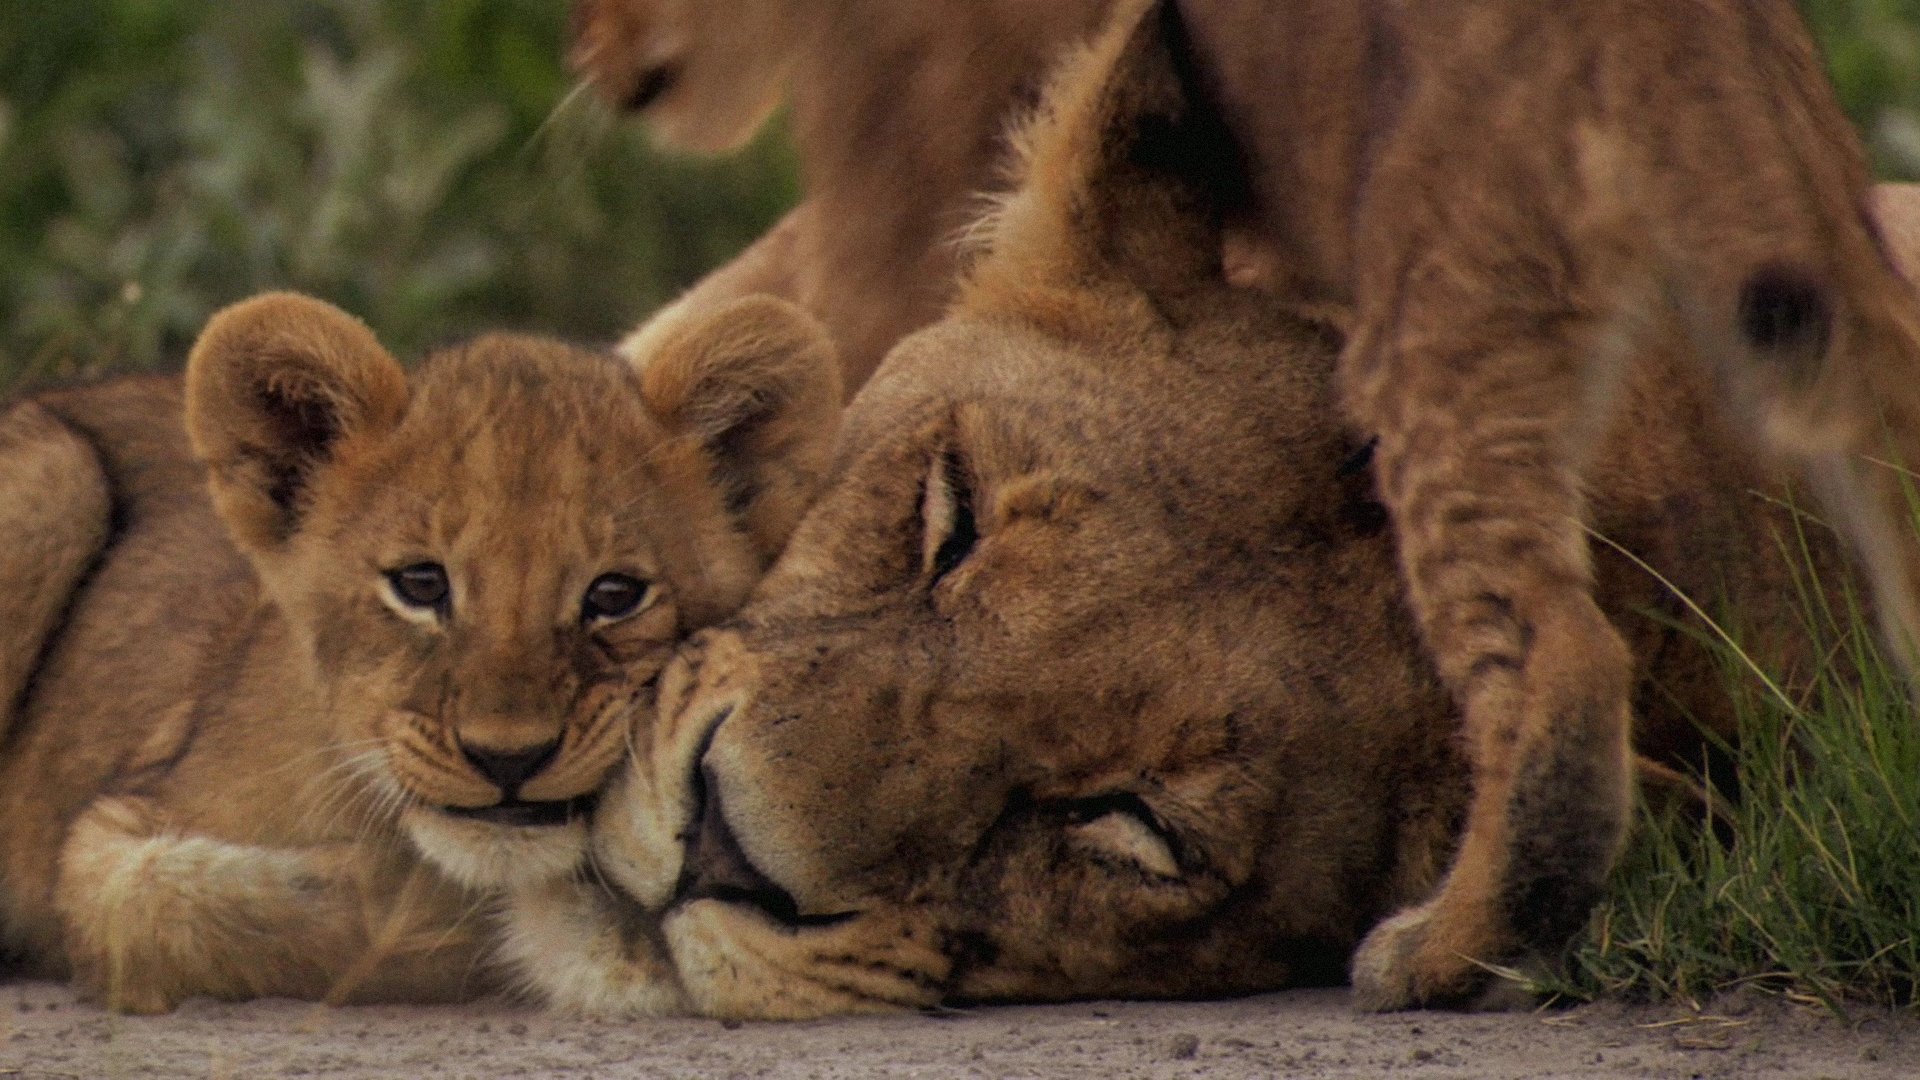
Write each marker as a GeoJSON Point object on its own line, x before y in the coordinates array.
{"type": "Point", "coordinates": [899, 112]}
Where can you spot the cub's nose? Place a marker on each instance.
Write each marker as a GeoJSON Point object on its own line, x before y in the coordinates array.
{"type": "Point", "coordinates": [510, 768]}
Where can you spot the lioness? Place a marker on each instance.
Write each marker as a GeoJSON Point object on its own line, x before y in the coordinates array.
{"type": "Point", "coordinates": [303, 659]}
{"type": "Point", "coordinates": [1506, 203]}
{"type": "Point", "coordinates": [1089, 673]}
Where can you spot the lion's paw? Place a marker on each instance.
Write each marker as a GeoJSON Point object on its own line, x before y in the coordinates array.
{"type": "Point", "coordinates": [1399, 966]}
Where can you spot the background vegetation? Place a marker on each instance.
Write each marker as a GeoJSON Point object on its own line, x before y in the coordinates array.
{"type": "Point", "coordinates": [421, 163]}
{"type": "Point", "coordinates": [417, 161]}
{"type": "Point", "coordinates": [1810, 885]}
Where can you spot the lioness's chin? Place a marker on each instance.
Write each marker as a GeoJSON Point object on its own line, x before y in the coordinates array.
{"type": "Point", "coordinates": [485, 855]}
{"type": "Point", "coordinates": [736, 961]}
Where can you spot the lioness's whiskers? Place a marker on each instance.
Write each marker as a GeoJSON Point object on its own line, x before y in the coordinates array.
{"type": "Point", "coordinates": [564, 111]}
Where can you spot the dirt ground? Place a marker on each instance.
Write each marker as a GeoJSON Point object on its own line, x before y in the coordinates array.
{"type": "Point", "coordinates": [46, 1035]}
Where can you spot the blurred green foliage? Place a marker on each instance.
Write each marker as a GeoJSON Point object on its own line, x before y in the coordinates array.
{"type": "Point", "coordinates": [420, 163]}
{"type": "Point", "coordinates": [1873, 54]}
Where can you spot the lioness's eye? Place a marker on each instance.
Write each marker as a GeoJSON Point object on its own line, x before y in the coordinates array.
{"type": "Point", "coordinates": [421, 585]}
{"type": "Point", "coordinates": [613, 596]}
{"type": "Point", "coordinates": [947, 513]}
{"type": "Point", "coordinates": [1120, 824]}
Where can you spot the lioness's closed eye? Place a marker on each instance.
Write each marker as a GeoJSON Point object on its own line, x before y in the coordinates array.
{"type": "Point", "coordinates": [311, 655]}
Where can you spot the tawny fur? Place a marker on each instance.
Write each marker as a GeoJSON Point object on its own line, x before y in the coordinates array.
{"type": "Point", "coordinates": [235, 749]}
{"type": "Point", "coordinates": [1507, 203]}
{"type": "Point", "coordinates": [897, 111]}
{"type": "Point", "coordinates": [1091, 673]}
{"type": "Point", "coordinates": [1516, 202]}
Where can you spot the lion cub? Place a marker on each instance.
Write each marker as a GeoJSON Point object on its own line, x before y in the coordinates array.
{"type": "Point", "coordinates": [304, 659]}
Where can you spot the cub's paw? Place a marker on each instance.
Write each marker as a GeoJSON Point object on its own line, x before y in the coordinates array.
{"type": "Point", "coordinates": [1414, 960]}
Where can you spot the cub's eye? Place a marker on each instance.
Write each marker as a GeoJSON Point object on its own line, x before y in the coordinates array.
{"type": "Point", "coordinates": [421, 585]}
{"type": "Point", "coordinates": [613, 596]}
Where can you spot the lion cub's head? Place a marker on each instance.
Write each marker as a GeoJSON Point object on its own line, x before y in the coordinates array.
{"type": "Point", "coordinates": [484, 567]}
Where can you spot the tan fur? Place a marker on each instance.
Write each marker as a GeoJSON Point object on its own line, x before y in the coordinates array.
{"type": "Point", "coordinates": [1516, 203]}
{"type": "Point", "coordinates": [708, 75]}
{"type": "Point", "coordinates": [897, 112]}
{"type": "Point", "coordinates": [1506, 205]}
{"type": "Point", "coordinates": [242, 761]}
{"type": "Point", "coordinates": [56, 516]}
{"type": "Point", "coordinates": [1091, 672]}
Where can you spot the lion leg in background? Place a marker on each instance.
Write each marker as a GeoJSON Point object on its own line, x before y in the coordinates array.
{"type": "Point", "coordinates": [55, 514]}
{"type": "Point", "coordinates": [1793, 296]}
{"type": "Point", "coordinates": [1834, 376]}
{"type": "Point", "coordinates": [1893, 389]}
{"type": "Point", "coordinates": [1483, 420]}
{"type": "Point", "coordinates": [155, 914]}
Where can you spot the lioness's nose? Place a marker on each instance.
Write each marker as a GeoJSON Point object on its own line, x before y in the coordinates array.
{"type": "Point", "coordinates": [510, 768]}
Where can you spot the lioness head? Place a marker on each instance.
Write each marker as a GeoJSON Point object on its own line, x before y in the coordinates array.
{"type": "Point", "coordinates": [488, 564]}
{"type": "Point", "coordinates": [705, 75]}
{"type": "Point", "coordinates": [1095, 567]}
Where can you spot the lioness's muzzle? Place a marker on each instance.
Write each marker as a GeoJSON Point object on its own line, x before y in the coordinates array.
{"type": "Point", "coordinates": [715, 868]}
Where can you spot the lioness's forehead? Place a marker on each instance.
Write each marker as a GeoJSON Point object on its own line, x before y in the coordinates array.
{"type": "Point", "coordinates": [957, 361]}
{"type": "Point", "coordinates": [1234, 412]}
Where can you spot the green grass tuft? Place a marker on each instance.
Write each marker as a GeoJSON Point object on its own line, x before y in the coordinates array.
{"type": "Point", "coordinates": [1809, 886]}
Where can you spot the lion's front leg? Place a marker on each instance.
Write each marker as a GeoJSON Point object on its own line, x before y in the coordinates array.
{"type": "Point", "coordinates": [583, 950]}
{"type": "Point", "coordinates": [154, 916]}
{"type": "Point", "coordinates": [1482, 415]}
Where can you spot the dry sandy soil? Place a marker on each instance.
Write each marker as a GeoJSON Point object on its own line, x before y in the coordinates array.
{"type": "Point", "coordinates": [46, 1035]}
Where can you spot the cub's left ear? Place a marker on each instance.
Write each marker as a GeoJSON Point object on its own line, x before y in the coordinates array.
{"type": "Point", "coordinates": [275, 385]}
{"type": "Point", "coordinates": [756, 384]}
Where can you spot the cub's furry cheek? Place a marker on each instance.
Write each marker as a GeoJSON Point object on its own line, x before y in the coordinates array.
{"type": "Point", "coordinates": [485, 856]}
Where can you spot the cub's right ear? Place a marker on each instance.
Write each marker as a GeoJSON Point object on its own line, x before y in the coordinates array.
{"type": "Point", "coordinates": [275, 385]}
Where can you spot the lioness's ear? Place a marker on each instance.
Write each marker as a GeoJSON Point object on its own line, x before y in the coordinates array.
{"type": "Point", "coordinates": [756, 384]}
{"type": "Point", "coordinates": [1125, 170]}
{"type": "Point", "coordinates": [274, 385]}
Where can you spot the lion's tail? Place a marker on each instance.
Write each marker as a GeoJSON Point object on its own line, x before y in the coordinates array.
{"type": "Point", "coordinates": [55, 517]}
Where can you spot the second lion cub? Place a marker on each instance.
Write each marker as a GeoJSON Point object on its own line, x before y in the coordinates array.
{"type": "Point", "coordinates": [304, 658]}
